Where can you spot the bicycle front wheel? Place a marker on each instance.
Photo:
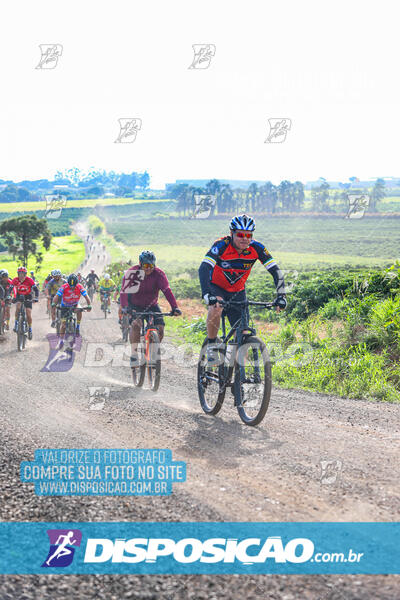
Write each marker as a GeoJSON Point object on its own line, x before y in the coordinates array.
{"type": "Point", "coordinates": [1, 320]}
{"type": "Point", "coordinates": [253, 382]}
{"type": "Point", "coordinates": [139, 372]}
{"type": "Point", "coordinates": [125, 328]}
{"type": "Point", "coordinates": [210, 381]}
{"type": "Point", "coordinates": [21, 335]}
{"type": "Point", "coordinates": [154, 361]}
{"type": "Point", "coordinates": [58, 323]}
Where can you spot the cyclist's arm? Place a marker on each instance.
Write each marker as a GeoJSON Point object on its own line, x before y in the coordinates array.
{"type": "Point", "coordinates": [271, 266]}
{"type": "Point", "coordinates": [48, 287]}
{"type": "Point", "coordinates": [207, 267]}
{"type": "Point", "coordinates": [170, 298]}
{"type": "Point", "coordinates": [57, 296]}
{"type": "Point", "coordinates": [86, 296]}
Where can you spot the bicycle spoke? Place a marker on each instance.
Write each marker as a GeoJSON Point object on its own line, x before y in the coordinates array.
{"type": "Point", "coordinates": [252, 381]}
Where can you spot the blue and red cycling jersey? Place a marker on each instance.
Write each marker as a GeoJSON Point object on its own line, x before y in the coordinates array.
{"type": "Point", "coordinates": [70, 296]}
{"type": "Point", "coordinates": [225, 267]}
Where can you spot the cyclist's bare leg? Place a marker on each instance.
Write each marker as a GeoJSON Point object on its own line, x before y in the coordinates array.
{"type": "Point", "coordinates": [17, 309]}
{"type": "Point", "coordinates": [53, 310]}
{"type": "Point", "coordinates": [29, 316]}
{"type": "Point", "coordinates": [78, 316]}
{"type": "Point", "coordinates": [160, 331]}
{"type": "Point", "coordinates": [214, 319]}
{"type": "Point", "coordinates": [134, 336]}
{"type": "Point", "coordinates": [7, 311]}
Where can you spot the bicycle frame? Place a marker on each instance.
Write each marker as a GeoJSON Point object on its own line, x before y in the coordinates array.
{"type": "Point", "coordinates": [239, 327]}
{"type": "Point", "coordinates": [240, 331]}
{"type": "Point", "coordinates": [148, 328]}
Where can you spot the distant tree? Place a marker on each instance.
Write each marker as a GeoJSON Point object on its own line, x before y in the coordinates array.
{"type": "Point", "coordinates": [143, 181]}
{"type": "Point", "coordinates": [320, 197]}
{"type": "Point", "coordinates": [299, 195]}
{"type": "Point", "coordinates": [21, 235]}
{"type": "Point", "coordinates": [285, 196]}
{"type": "Point", "coordinates": [212, 186]}
{"type": "Point", "coordinates": [376, 194]}
{"type": "Point", "coordinates": [12, 193]}
{"type": "Point", "coordinates": [252, 197]}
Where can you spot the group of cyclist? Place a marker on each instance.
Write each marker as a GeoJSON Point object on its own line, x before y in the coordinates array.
{"type": "Point", "coordinates": [222, 273]}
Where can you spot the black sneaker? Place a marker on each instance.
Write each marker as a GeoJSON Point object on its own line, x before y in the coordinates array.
{"type": "Point", "coordinates": [29, 333]}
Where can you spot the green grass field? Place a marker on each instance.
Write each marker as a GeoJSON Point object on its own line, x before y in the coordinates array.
{"type": "Point", "coordinates": [65, 253]}
{"type": "Point", "coordinates": [82, 203]}
{"type": "Point", "coordinates": [294, 241]}
{"type": "Point", "coordinates": [180, 256]}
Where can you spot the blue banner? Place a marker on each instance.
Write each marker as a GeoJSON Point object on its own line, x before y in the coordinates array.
{"type": "Point", "coordinates": [213, 548]}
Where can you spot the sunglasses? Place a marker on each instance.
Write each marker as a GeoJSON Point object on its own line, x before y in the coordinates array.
{"type": "Point", "coordinates": [241, 234]}
{"type": "Point", "coordinates": [147, 266]}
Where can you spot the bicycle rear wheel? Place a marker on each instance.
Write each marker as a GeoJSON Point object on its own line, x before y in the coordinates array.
{"type": "Point", "coordinates": [154, 361]}
{"type": "Point", "coordinates": [139, 372]}
{"type": "Point", "coordinates": [210, 381]}
{"type": "Point", "coordinates": [253, 382]}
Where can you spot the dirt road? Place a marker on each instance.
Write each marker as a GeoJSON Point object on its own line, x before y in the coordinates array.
{"type": "Point", "coordinates": [275, 472]}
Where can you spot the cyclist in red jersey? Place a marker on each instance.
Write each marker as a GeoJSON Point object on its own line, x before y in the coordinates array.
{"type": "Point", "coordinates": [224, 271]}
{"type": "Point", "coordinates": [6, 289]}
{"type": "Point", "coordinates": [23, 287]}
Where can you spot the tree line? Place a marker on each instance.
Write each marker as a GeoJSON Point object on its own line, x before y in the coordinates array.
{"type": "Point", "coordinates": [287, 197]}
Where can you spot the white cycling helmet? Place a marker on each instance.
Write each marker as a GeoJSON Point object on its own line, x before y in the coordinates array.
{"type": "Point", "coordinates": [106, 276]}
{"type": "Point", "coordinates": [242, 223]}
{"type": "Point", "coordinates": [56, 272]}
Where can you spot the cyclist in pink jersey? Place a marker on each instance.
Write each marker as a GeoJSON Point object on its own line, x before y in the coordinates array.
{"type": "Point", "coordinates": [140, 287]}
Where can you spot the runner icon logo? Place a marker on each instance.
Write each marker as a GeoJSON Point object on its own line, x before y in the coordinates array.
{"type": "Point", "coordinates": [62, 550]}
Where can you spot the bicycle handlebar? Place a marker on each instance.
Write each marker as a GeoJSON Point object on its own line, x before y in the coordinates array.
{"type": "Point", "coordinates": [147, 314]}
{"type": "Point", "coordinates": [226, 303]}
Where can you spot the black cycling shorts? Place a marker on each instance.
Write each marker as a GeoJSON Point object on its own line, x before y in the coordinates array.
{"type": "Point", "coordinates": [28, 299]}
{"type": "Point", "coordinates": [233, 312]}
{"type": "Point", "coordinates": [64, 311]}
{"type": "Point", "coordinates": [158, 320]}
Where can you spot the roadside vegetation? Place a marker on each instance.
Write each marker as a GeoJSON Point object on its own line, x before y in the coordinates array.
{"type": "Point", "coordinates": [65, 253]}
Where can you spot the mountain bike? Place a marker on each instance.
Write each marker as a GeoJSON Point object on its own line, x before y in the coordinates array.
{"type": "Point", "coordinates": [22, 331]}
{"type": "Point", "coordinates": [104, 303]}
{"type": "Point", "coordinates": [243, 366]}
{"type": "Point", "coordinates": [91, 290]}
{"type": "Point", "coordinates": [149, 356]}
{"type": "Point", "coordinates": [125, 326]}
{"type": "Point", "coordinates": [70, 325]}
{"type": "Point", "coordinates": [2, 309]}
{"type": "Point", "coordinates": [58, 319]}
